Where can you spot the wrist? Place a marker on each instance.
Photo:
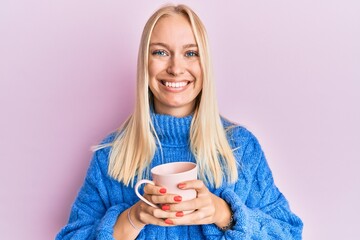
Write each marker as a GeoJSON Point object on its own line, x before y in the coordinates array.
{"type": "Point", "coordinates": [133, 219]}
{"type": "Point", "coordinates": [229, 225]}
{"type": "Point", "coordinates": [225, 219]}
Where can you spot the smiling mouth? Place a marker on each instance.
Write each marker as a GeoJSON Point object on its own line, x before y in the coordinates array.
{"type": "Point", "coordinates": [175, 84]}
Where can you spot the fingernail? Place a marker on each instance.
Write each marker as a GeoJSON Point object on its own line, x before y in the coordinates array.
{"type": "Point", "coordinates": [179, 214]}
{"type": "Point", "coordinates": [168, 221]}
{"type": "Point", "coordinates": [162, 190]}
{"type": "Point", "coordinates": [182, 185]}
{"type": "Point", "coordinates": [165, 207]}
{"type": "Point", "coordinates": [178, 198]}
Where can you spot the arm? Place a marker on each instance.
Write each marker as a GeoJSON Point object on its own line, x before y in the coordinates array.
{"type": "Point", "coordinates": [94, 214]}
{"type": "Point", "coordinates": [265, 214]}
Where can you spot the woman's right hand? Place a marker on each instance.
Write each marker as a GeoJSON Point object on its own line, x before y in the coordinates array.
{"type": "Point", "coordinates": [144, 214]}
{"type": "Point", "coordinates": [141, 214]}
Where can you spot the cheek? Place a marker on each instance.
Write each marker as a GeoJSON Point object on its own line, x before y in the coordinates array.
{"type": "Point", "coordinates": [156, 67]}
{"type": "Point", "coordinates": [199, 78]}
{"type": "Point", "coordinates": [152, 70]}
{"type": "Point", "coordinates": [152, 74]}
{"type": "Point", "coordinates": [197, 72]}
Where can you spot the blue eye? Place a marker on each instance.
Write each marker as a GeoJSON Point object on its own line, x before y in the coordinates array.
{"type": "Point", "coordinates": [191, 54]}
{"type": "Point", "coordinates": [159, 53]}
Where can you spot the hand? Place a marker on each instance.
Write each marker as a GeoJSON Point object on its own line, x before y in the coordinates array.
{"type": "Point", "coordinates": [131, 221]}
{"type": "Point", "coordinates": [143, 214]}
{"type": "Point", "coordinates": [207, 208]}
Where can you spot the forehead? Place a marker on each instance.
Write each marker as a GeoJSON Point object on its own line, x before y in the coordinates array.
{"type": "Point", "coordinates": [174, 28]}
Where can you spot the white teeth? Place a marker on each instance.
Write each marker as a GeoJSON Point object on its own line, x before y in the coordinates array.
{"type": "Point", "coordinates": [175, 85]}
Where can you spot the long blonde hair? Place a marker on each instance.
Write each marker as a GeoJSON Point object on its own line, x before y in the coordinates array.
{"type": "Point", "coordinates": [135, 144]}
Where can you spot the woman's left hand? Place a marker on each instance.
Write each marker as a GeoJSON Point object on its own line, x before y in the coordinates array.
{"type": "Point", "coordinates": [207, 208]}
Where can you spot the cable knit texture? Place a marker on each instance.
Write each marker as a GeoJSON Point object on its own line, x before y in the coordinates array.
{"type": "Point", "coordinates": [260, 210]}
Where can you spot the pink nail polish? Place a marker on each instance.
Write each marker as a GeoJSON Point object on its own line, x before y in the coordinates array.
{"type": "Point", "coordinates": [182, 185]}
{"type": "Point", "coordinates": [162, 190]}
{"type": "Point", "coordinates": [178, 198]}
{"type": "Point", "coordinates": [179, 214]}
{"type": "Point", "coordinates": [165, 207]}
{"type": "Point", "coordinates": [168, 221]}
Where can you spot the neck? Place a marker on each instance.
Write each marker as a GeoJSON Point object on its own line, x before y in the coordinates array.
{"type": "Point", "coordinates": [179, 112]}
{"type": "Point", "coordinates": [171, 130]}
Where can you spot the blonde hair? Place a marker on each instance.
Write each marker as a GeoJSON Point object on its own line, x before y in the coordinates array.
{"type": "Point", "coordinates": [135, 144]}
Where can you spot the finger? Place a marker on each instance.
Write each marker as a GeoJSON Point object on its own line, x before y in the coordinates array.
{"type": "Point", "coordinates": [165, 199]}
{"type": "Point", "coordinates": [190, 205]}
{"type": "Point", "coordinates": [147, 218]}
{"type": "Point", "coordinates": [198, 185]}
{"type": "Point", "coordinates": [161, 200]}
{"type": "Point", "coordinates": [151, 215]}
{"type": "Point", "coordinates": [196, 218]}
{"type": "Point", "coordinates": [154, 190]}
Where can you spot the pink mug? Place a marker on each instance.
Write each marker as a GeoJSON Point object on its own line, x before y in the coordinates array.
{"type": "Point", "coordinates": [169, 175]}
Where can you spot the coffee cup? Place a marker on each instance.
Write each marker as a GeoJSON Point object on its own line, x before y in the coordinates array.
{"type": "Point", "coordinates": [169, 175]}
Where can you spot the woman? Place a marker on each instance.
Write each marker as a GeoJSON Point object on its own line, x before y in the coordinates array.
{"type": "Point", "coordinates": [176, 118]}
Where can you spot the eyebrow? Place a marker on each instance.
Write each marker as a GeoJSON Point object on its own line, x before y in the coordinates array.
{"type": "Point", "coordinates": [190, 45]}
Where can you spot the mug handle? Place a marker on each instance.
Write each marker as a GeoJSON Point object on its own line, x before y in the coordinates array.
{"type": "Point", "coordinates": [140, 196]}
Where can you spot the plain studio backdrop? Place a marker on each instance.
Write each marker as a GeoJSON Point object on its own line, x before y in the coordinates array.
{"type": "Point", "coordinates": [289, 71]}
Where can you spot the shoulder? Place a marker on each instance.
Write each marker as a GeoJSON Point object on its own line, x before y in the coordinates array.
{"type": "Point", "coordinates": [109, 138]}
{"type": "Point", "coordinates": [243, 142]}
{"type": "Point", "coordinates": [237, 134]}
{"type": "Point", "coordinates": [103, 150]}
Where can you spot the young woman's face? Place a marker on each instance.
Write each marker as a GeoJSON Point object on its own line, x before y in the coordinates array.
{"type": "Point", "coordinates": [174, 66]}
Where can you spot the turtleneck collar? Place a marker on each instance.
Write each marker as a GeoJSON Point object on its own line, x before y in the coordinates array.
{"type": "Point", "coordinates": [172, 131]}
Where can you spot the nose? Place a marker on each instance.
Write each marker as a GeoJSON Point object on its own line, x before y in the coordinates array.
{"type": "Point", "coordinates": [176, 66]}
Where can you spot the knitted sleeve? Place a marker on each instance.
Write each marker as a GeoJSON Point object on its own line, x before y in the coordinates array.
{"type": "Point", "coordinates": [92, 215]}
{"type": "Point", "coordinates": [265, 214]}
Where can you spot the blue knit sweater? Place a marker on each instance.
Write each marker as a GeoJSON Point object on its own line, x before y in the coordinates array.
{"type": "Point", "coordinates": [260, 210]}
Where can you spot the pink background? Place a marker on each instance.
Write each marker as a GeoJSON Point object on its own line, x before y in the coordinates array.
{"type": "Point", "coordinates": [287, 70]}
